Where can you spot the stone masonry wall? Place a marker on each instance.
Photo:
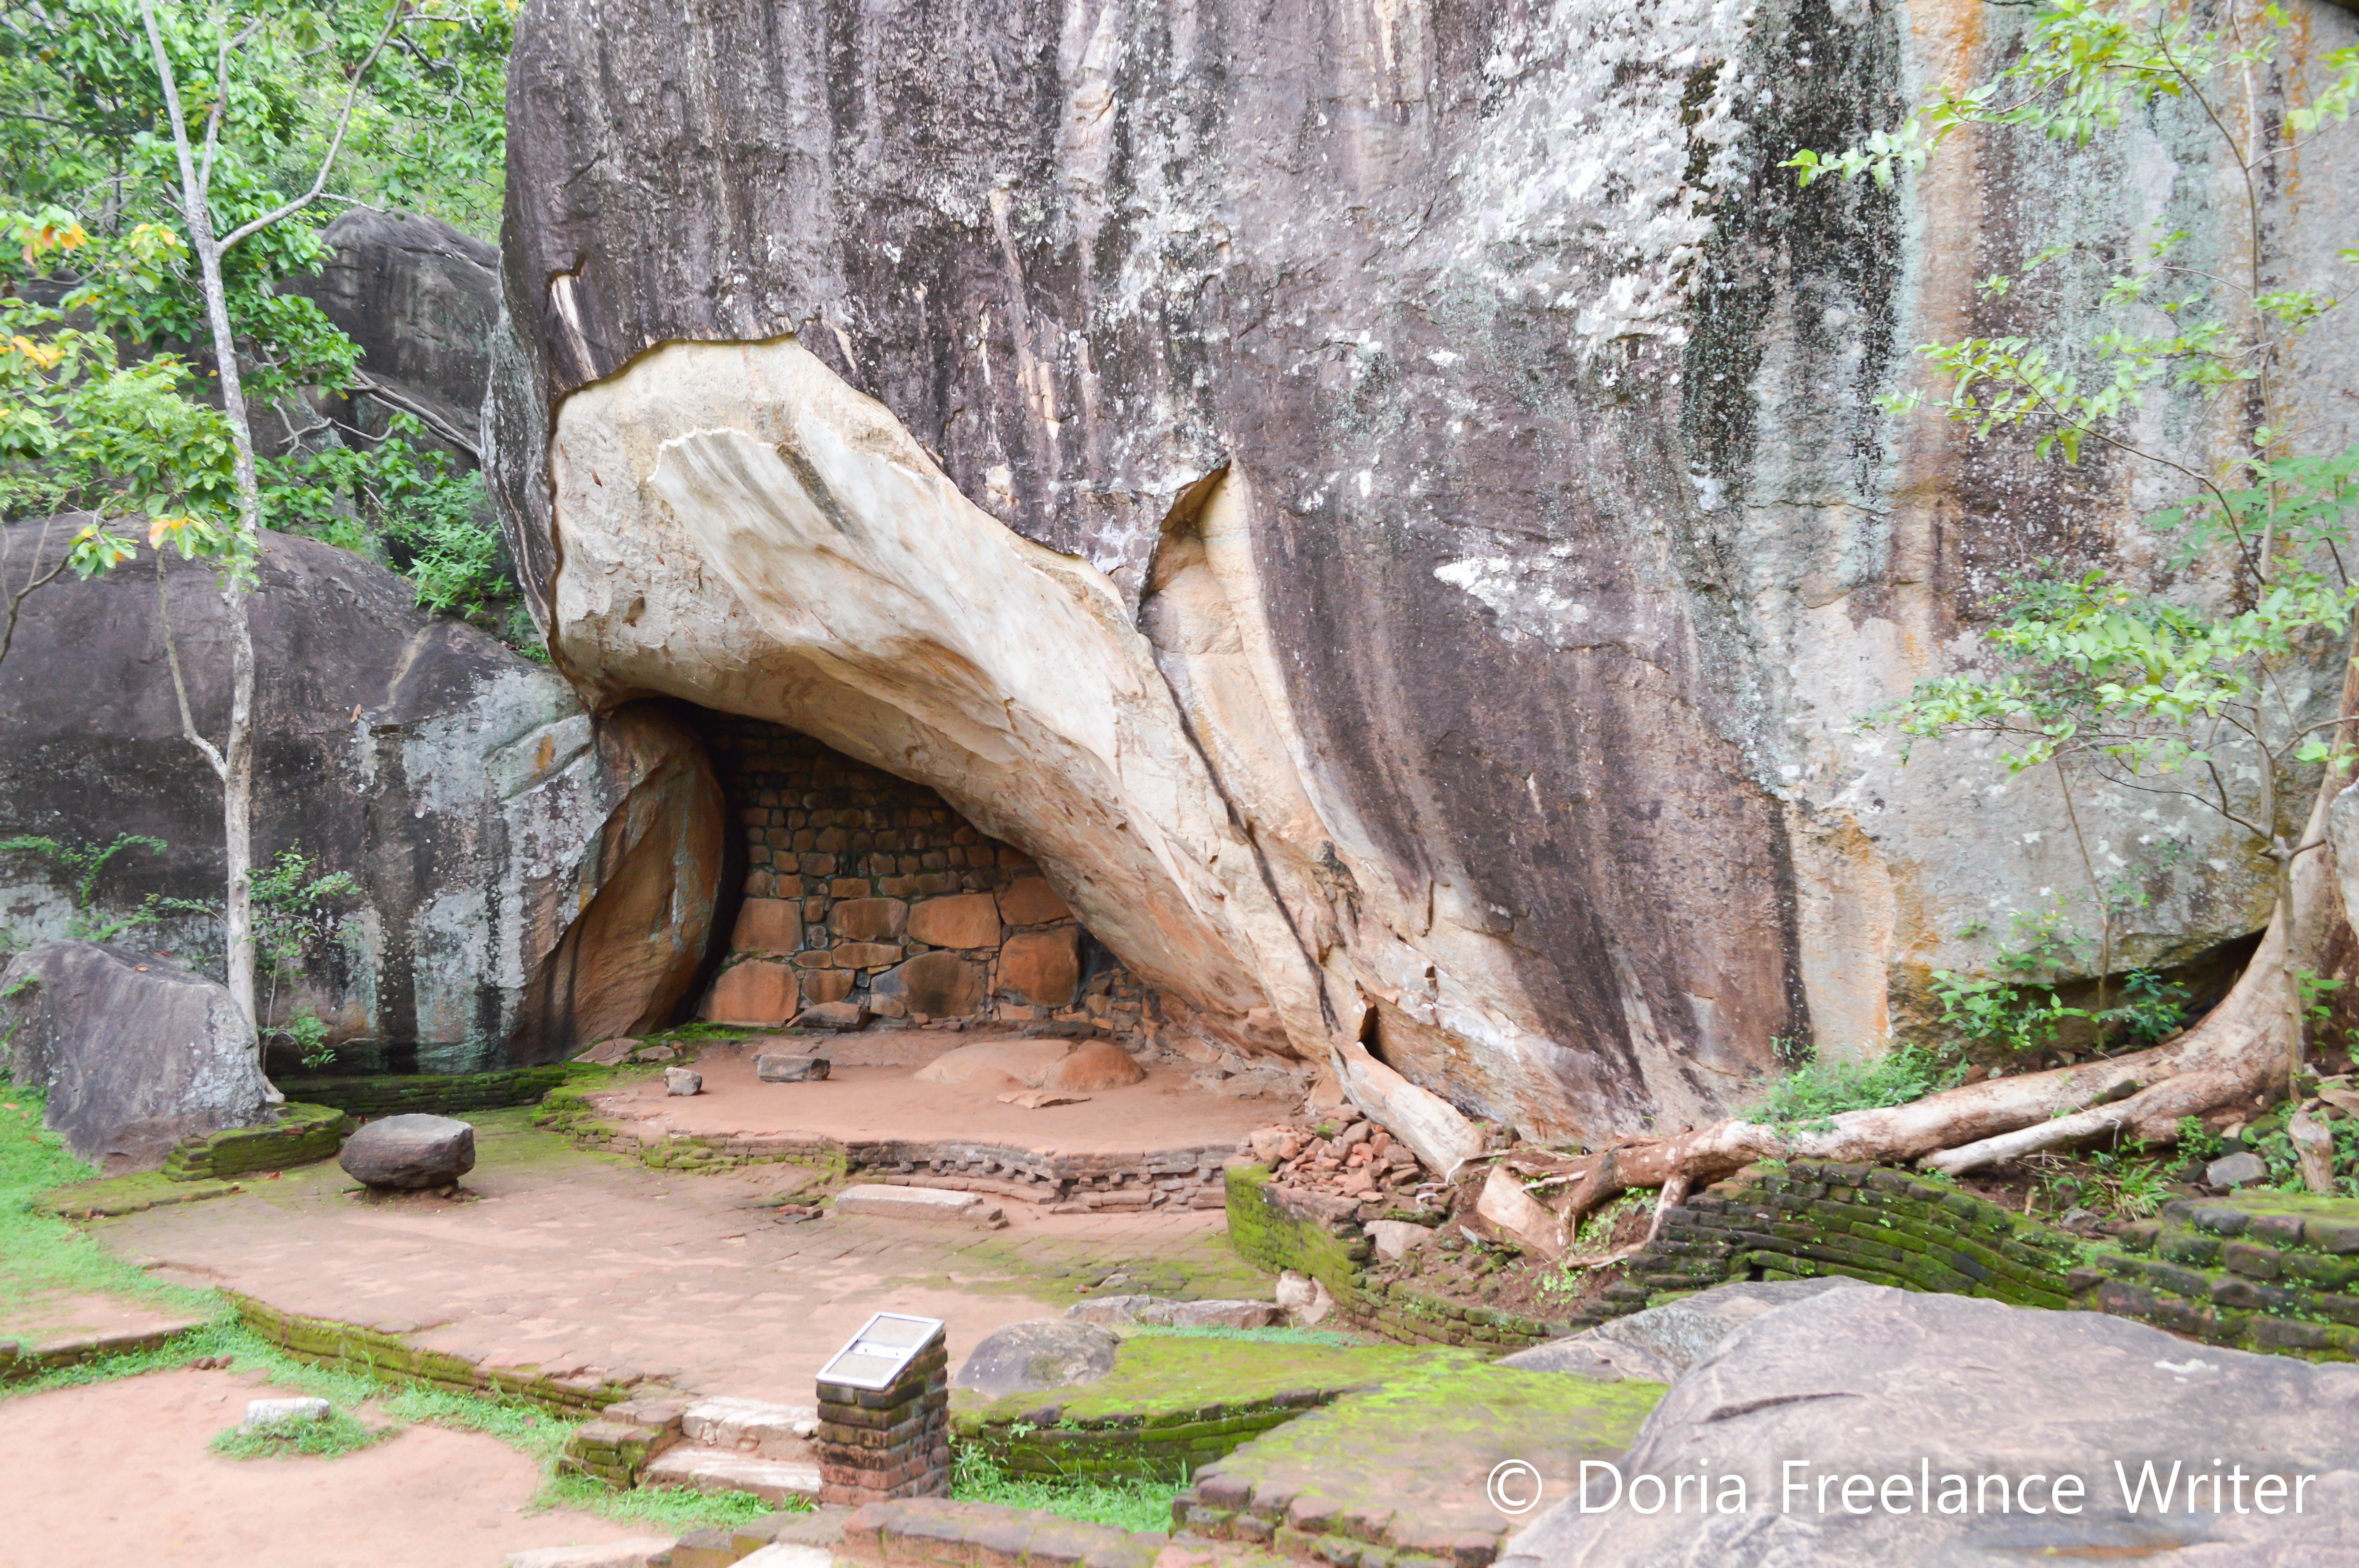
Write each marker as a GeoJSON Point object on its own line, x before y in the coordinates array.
{"type": "Point", "coordinates": [867, 888]}
{"type": "Point", "coordinates": [2265, 1272]}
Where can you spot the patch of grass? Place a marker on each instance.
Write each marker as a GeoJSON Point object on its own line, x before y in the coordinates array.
{"type": "Point", "coordinates": [1137, 1506]}
{"type": "Point", "coordinates": [1809, 1098]}
{"type": "Point", "coordinates": [1248, 1336]}
{"type": "Point", "coordinates": [673, 1510]}
{"type": "Point", "coordinates": [40, 1253]}
{"type": "Point", "coordinates": [339, 1434]}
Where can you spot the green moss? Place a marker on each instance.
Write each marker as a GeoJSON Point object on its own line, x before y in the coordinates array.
{"type": "Point", "coordinates": [1452, 1413]}
{"type": "Point", "coordinates": [39, 1253]}
{"type": "Point", "coordinates": [108, 1197]}
{"type": "Point", "coordinates": [438, 1094]}
{"type": "Point", "coordinates": [1157, 1376]}
{"type": "Point", "coordinates": [297, 1135]}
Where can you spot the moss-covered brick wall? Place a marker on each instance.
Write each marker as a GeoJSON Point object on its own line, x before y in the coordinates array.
{"type": "Point", "coordinates": [430, 1094]}
{"type": "Point", "coordinates": [391, 1358]}
{"type": "Point", "coordinates": [300, 1135]}
{"type": "Point", "coordinates": [2266, 1271]}
{"type": "Point", "coordinates": [1884, 1226]}
{"type": "Point", "coordinates": [1278, 1230]}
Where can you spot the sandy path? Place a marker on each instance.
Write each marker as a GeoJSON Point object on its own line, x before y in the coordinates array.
{"type": "Point", "coordinates": [118, 1473]}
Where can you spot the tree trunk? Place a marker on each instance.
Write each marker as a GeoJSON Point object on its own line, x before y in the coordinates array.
{"type": "Point", "coordinates": [235, 764]}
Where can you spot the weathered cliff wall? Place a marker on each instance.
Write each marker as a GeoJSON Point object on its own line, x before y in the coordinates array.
{"type": "Point", "coordinates": [1385, 502]}
{"type": "Point", "coordinates": [531, 878]}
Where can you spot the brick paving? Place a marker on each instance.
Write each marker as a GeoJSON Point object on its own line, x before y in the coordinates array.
{"type": "Point", "coordinates": [570, 1259]}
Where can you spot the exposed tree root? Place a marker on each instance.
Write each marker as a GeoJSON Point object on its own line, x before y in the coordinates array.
{"type": "Point", "coordinates": [2236, 1054]}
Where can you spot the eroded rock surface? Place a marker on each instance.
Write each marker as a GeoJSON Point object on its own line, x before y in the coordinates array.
{"type": "Point", "coordinates": [532, 879]}
{"type": "Point", "coordinates": [420, 300]}
{"type": "Point", "coordinates": [1881, 1383]}
{"type": "Point", "coordinates": [1388, 506]}
{"type": "Point", "coordinates": [135, 1052]}
{"type": "Point", "coordinates": [1041, 1353]}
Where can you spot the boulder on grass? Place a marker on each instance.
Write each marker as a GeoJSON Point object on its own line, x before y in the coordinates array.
{"type": "Point", "coordinates": [410, 1152]}
{"type": "Point", "coordinates": [1042, 1353]}
{"type": "Point", "coordinates": [135, 1052]}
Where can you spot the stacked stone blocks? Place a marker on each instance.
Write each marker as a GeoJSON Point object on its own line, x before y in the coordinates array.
{"type": "Point", "coordinates": [1278, 1229]}
{"type": "Point", "coordinates": [933, 1533]}
{"type": "Point", "coordinates": [1169, 1445]}
{"type": "Point", "coordinates": [876, 1445]}
{"type": "Point", "coordinates": [862, 887]}
{"type": "Point", "coordinates": [301, 1135]}
{"type": "Point", "coordinates": [436, 1094]}
{"type": "Point", "coordinates": [1114, 1181]}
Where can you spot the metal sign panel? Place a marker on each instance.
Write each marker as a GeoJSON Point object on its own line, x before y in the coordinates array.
{"type": "Point", "coordinates": [886, 1343]}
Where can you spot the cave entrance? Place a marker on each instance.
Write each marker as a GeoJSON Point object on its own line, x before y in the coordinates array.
{"type": "Point", "coordinates": [978, 1037]}
{"type": "Point", "coordinates": [855, 892]}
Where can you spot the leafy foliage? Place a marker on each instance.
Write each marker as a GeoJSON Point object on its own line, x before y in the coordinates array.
{"type": "Point", "coordinates": [293, 909]}
{"type": "Point", "coordinates": [1810, 1097]}
{"type": "Point", "coordinates": [84, 864]}
{"type": "Point", "coordinates": [2183, 694]}
{"type": "Point", "coordinates": [96, 257]}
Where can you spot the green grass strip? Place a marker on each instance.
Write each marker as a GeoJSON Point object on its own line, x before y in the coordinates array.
{"type": "Point", "coordinates": [1136, 1506]}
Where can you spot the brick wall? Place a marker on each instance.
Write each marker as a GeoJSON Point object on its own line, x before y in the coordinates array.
{"type": "Point", "coordinates": [865, 889]}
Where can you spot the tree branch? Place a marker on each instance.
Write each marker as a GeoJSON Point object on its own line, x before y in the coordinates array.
{"type": "Point", "coordinates": [212, 752]}
{"type": "Point", "coordinates": [335, 145]}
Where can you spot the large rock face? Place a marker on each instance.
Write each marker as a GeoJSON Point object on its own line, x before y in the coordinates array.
{"type": "Point", "coordinates": [530, 878]}
{"type": "Point", "coordinates": [420, 299]}
{"type": "Point", "coordinates": [1387, 504]}
{"type": "Point", "coordinates": [1884, 1384]}
{"type": "Point", "coordinates": [135, 1054]}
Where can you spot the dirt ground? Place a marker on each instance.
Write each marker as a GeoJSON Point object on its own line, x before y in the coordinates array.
{"type": "Point", "coordinates": [871, 1094]}
{"type": "Point", "coordinates": [566, 1260]}
{"type": "Point", "coordinates": [118, 1473]}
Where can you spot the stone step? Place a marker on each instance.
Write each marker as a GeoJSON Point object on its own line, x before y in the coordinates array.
{"type": "Point", "coordinates": [726, 1470]}
{"type": "Point", "coordinates": [920, 1203]}
{"type": "Point", "coordinates": [752, 1427]}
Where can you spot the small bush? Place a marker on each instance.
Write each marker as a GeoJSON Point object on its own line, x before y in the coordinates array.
{"type": "Point", "coordinates": [1810, 1098]}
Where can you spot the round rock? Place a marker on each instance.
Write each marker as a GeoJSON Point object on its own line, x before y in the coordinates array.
{"type": "Point", "coordinates": [1045, 1353]}
{"type": "Point", "coordinates": [410, 1151]}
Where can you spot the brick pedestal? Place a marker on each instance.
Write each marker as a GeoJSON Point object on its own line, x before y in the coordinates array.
{"type": "Point", "coordinates": [894, 1441]}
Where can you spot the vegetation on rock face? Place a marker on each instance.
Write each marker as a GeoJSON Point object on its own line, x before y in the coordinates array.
{"type": "Point", "coordinates": [166, 170]}
{"type": "Point", "coordinates": [2182, 686]}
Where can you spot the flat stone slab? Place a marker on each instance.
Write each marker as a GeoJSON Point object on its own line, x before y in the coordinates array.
{"type": "Point", "coordinates": [984, 1535]}
{"type": "Point", "coordinates": [752, 1426]}
{"type": "Point", "coordinates": [1872, 1383]}
{"type": "Point", "coordinates": [1659, 1344]}
{"type": "Point", "coordinates": [915, 1203]}
{"type": "Point", "coordinates": [633, 1553]}
{"type": "Point", "coordinates": [790, 1068]}
{"type": "Point", "coordinates": [1164, 1312]}
{"type": "Point", "coordinates": [726, 1470]}
{"type": "Point", "coordinates": [1405, 1464]}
